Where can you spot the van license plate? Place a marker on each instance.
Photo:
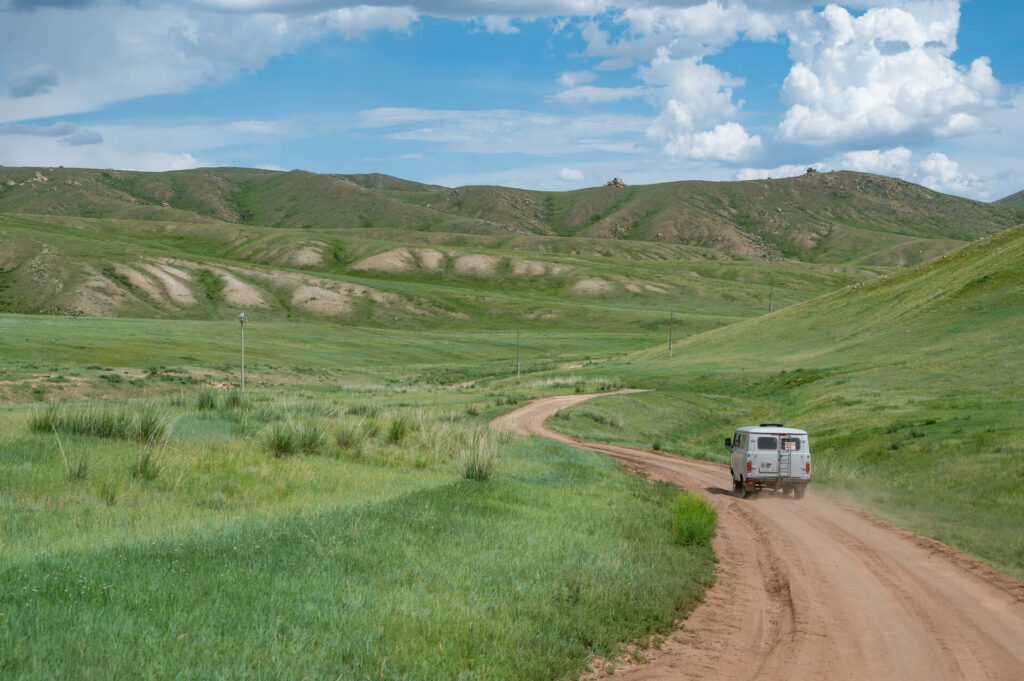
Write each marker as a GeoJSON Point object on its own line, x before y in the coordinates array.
{"type": "Point", "coordinates": [766, 466]}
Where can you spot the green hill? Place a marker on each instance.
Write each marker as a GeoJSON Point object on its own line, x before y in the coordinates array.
{"type": "Point", "coordinates": [820, 217]}
{"type": "Point", "coordinates": [1012, 200]}
{"type": "Point", "coordinates": [840, 217]}
{"type": "Point", "coordinates": [212, 270]}
{"type": "Point", "coordinates": [909, 384]}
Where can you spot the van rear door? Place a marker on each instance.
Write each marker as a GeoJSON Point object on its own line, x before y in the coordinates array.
{"type": "Point", "coordinates": [765, 455]}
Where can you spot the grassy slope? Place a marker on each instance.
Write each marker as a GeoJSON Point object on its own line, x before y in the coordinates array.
{"type": "Point", "coordinates": [73, 265]}
{"type": "Point", "coordinates": [909, 384]}
{"type": "Point", "coordinates": [1016, 199]}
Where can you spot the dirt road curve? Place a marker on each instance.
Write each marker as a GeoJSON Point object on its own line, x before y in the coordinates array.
{"type": "Point", "coordinates": [814, 589]}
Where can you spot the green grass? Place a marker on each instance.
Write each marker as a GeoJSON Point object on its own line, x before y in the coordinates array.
{"type": "Point", "coordinates": [237, 563]}
{"type": "Point", "coordinates": [908, 386]}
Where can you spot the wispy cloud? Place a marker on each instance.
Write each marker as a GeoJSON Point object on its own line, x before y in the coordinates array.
{"type": "Point", "coordinates": [507, 131]}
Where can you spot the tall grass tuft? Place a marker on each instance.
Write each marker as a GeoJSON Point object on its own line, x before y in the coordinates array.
{"type": "Point", "coordinates": [280, 439]}
{"type": "Point", "coordinates": [79, 470]}
{"type": "Point", "coordinates": [287, 438]}
{"type": "Point", "coordinates": [148, 424]}
{"type": "Point", "coordinates": [146, 466]}
{"type": "Point", "coordinates": [693, 520]}
{"type": "Point", "coordinates": [206, 400]}
{"type": "Point", "coordinates": [398, 428]}
{"type": "Point", "coordinates": [480, 449]}
{"type": "Point", "coordinates": [350, 438]}
{"type": "Point", "coordinates": [365, 409]}
{"type": "Point", "coordinates": [235, 399]}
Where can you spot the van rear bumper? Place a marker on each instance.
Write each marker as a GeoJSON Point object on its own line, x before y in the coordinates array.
{"type": "Point", "coordinates": [776, 481]}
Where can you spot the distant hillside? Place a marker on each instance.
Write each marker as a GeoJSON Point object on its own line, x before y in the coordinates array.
{"type": "Point", "coordinates": [840, 217]}
{"type": "Point", "coordinates": [821, 217]}
{"type": "Point", "coordinates": [211, 270]}
{"type": "Point", "coordinates": [1013, 199]}
{"type": "Point", "coordinates": [379, 182]}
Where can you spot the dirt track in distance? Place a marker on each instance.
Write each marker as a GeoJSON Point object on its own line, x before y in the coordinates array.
{"type": "Point", "coordinates": [815, 589]}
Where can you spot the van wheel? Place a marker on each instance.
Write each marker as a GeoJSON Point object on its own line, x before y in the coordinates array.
{"type": "Point", "coordinates": [738, 488]}
{"type": "Point", "coordinates": [798, 491]}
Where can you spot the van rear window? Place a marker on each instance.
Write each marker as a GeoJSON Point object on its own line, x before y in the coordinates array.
{"type": "Point", "coordinates": [790, 444]}
{"type": "Point", "coordinates": [767, 443]}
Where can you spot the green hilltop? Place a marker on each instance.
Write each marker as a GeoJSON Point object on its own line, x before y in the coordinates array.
{"type": "Point", "coordinates": [840, 217]}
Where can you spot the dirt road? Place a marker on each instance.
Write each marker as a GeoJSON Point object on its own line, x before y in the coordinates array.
{"type": "Point", "coordinates": [815, 589]}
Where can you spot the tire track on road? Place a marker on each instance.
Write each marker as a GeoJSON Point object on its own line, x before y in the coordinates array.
{"type": "Point", "coordinates": [818, 589]}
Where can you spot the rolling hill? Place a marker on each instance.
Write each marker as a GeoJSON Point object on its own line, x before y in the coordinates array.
{"type": "Point", "coordinates": [840, 217]}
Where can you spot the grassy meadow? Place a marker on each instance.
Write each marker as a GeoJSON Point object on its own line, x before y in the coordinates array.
{"type": "Point", "coordinates": [350, 516]}
{"type": "Point", "coordinates": [909, 386]}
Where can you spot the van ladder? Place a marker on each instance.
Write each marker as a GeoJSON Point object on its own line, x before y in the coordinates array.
{"type": "Point", "coordinates": [785, 464]}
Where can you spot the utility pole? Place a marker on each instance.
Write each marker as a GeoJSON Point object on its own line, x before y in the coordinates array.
{"type": "Point", "coordinates": [517, 351]}
{"type": "Point", "coordinates": [771, 291]}
{"type": "Point", "coordinates": [670, 313]}
{"type": "Point", "coordinates": [241, 323]}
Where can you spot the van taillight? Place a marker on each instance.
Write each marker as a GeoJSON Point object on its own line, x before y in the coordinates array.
{"type": "Point", "coordinates": [807, 468]}
{"type": "Point", "coordinates": [748, 466]}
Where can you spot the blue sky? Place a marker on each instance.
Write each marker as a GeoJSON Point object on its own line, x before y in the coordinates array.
{"type": "Point", "coordinates": [548, 95]}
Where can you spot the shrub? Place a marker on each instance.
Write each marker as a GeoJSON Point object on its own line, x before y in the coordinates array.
{"type": "Point", "coordinates": [693, 520]}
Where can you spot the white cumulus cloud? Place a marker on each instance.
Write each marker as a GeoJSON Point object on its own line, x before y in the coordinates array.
{"type": "Point", "coordinates": [890, 162]}
{"type": "Point", "coordinates": [941, 173]}
{"type": "Point", "coordinates": [881, 75]}
{"type": "Point", "coordinates": [698, 95]}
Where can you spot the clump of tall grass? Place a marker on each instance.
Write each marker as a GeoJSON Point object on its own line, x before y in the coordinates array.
{"type": "Point", "coordinates": [612, 420]}
{"type": "Point", "coordinates": [235, 399]}
{"type": "Point", "coordinates": [206, 400]}
{"type": "Point", "coordinates": [693, 520]}
{"type": "Point", "coordinates": [148, 423]}
{"type": "Point", "coordinates": [398, 428]}
{"type": "Point", "coordinates": [146, 466]}
{"type": "Point", "coordinates": [350, 438]}
{"type": "Point", "coordinates": [557, 382]}
{"type": "Point", "coordinates": [480, 448]}
{"type": "Point", "coordinates": [364, 409]}
{"type": "Point", "coordinates": [287, 438]}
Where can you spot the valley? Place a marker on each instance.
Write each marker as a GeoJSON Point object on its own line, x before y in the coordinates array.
{"type": "Point", "coordinates": [355, 495]}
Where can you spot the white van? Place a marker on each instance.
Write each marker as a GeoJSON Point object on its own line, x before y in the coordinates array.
{"type": "Point", "coordinates": [769, 455]}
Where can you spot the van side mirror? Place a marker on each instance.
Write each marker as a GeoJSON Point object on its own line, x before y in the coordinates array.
{"type": "Point", "coordinates": [728, 443]}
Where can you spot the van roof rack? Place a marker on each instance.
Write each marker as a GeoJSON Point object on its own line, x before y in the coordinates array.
{"type": "Point", "coordinates": [772, 425]}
